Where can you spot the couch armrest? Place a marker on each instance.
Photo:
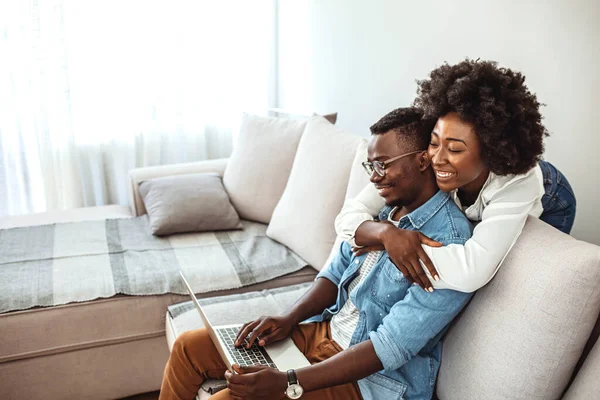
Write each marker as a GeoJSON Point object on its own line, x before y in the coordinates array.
{"type": "Point", "coordinates": [139, 175]}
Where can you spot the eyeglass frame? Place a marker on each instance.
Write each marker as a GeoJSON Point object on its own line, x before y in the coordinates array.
{"type": "Point", "coordinates": [383, 164]}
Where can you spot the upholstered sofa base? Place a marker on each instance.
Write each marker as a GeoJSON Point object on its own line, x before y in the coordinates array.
{"type": "Point", "coordinates": [102, 349]}
{"type": "Point", "coordinates": [106, 372]}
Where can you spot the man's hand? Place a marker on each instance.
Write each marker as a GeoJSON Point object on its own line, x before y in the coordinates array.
{"type": "Point", "coordinates": [256, 382]}
{"type": "Point", "coordinates": [404, 249]}
{"type": "Point", "coordinates": [270, 329]}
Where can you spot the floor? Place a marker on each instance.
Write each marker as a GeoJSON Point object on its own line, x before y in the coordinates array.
{"type": "Point", "coordinates": [145, 396]}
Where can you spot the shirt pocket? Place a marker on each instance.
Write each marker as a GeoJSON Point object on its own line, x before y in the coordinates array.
{"type": "Point", "coordinates": [379, 386]}
{"type": "Point", "coordinates": [393, 273]}
{"type": "Point", "coordinates": [390, 285]}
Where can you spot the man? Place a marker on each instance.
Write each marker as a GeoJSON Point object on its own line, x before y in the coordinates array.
{"type": "Point", "coordinates": [371, 334]}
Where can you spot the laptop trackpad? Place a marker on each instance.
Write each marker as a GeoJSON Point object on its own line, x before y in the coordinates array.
{"type": "Point", "coordinates": [286, 355]}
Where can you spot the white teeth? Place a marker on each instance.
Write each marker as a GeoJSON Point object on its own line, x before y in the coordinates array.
{"type": "Point", "coordinates": [443, 174]}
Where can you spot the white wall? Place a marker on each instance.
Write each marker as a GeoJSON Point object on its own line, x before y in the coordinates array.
{"type": "Point", "coordinates": [362, 58]}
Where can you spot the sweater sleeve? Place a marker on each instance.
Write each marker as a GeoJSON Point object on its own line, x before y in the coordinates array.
{"type": "Point", "coordinates": [469, 267]}
{"type": "Point", "coordinates": [363, 207]}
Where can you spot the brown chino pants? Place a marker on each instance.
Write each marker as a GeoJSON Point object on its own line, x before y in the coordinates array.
{"type": "Point", "coordinates": [194, 359]}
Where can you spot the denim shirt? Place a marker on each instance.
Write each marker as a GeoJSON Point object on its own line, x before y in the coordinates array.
{"type": "Point", "coordinates": [404, 322]}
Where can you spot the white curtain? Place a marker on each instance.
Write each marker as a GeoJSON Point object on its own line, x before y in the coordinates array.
{"type": "Point", "coordinates": [89, 90]}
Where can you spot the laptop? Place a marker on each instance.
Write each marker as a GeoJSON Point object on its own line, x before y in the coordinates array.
{"type": "Point", "coordinates": [282, 355]}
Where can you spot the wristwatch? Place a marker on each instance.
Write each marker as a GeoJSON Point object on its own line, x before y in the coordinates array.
{"type": "Point", "coordinates": [294, 390]}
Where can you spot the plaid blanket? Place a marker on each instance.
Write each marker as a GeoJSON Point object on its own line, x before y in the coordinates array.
{"type": "Point", "coordinates": [72, 262]}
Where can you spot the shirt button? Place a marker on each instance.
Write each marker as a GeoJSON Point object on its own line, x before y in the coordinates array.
{"type": "Point", "coordinates": [355, 261]}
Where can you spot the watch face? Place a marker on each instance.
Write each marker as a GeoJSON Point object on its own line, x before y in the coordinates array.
{"type": "Point", "coordinates": [294, 391]}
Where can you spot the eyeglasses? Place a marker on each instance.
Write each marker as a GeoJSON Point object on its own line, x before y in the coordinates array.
{"type": "Point", "coordinates": [379, 167]}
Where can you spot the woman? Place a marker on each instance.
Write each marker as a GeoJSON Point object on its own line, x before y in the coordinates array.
{"type": "Point", "coordinates": [485, 149]}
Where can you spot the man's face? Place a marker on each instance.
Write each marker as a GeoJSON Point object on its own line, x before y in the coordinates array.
{"type": "Point", "coordinates": [401, 183]}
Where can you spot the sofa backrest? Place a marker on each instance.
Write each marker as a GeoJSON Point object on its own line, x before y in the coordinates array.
{"type": "Point", "coordinates": [523, 333]}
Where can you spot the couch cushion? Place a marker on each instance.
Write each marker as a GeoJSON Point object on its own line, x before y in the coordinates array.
{"type": "Point", "coordinates": [522, 334]}
{"type": "Point", "coordinates": [358, 177]}
{"type": "Point", "coordinates": [304, 217]}
{"type": "Point", "coordinates": [260, 165]}
{"type": "Point", "coordinates": [357, 182]}
{"type": "Point", "coordinates": [139, 175]}
{"type": "Point", "coordinates": [188, 203]}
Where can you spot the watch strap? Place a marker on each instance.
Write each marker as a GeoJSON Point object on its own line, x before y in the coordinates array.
{"type": "Point", "coordinates": [292, 380]}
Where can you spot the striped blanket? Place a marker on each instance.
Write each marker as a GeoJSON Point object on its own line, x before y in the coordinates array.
{"type": "Point", "coordinates": [73, 262]}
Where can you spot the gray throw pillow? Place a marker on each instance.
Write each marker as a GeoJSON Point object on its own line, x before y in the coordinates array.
{"type": "Point", "coordinates": [188, 203]}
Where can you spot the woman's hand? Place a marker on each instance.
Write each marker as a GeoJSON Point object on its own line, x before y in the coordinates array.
{"type": "Point", "coordinates": [404, 249]}
{"type": "Point", "coordinates": [256, 382]}
{"type": "Point", "coordinates": [270, 329]}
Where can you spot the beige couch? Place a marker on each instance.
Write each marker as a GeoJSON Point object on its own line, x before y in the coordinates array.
{"type": "Point", "coordinates": [85, 350]}
{"type": "Point", "coordinates": [521, 337]}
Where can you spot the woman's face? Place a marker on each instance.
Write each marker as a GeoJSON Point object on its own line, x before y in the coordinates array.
{"type": "Point", "coordinates": [455, 154]}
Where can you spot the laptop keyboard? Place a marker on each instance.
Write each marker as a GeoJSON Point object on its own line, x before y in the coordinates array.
{"type": "Point", "coordinates": [241, 355]}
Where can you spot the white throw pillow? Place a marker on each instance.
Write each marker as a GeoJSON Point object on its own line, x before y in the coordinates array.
{"type": "Point", "coordinates": [357, 182]}
{"type": "Point", "coordinates": [260, 165]}
{"type": "Point", "coordinates": [304, 217]}
{"type": "Point", "coordinates": [358, 177]}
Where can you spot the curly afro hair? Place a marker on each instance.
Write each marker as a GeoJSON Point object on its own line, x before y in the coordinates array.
{"type": "Point", "coordinates": [497, 102]}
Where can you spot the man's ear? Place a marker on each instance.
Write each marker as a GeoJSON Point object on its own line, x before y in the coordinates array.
{"type": "Point", "coordinates": [424, 162]}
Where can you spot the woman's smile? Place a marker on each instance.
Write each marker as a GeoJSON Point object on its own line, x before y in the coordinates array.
{"type": "Point", "coordinates": [443, 175]}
